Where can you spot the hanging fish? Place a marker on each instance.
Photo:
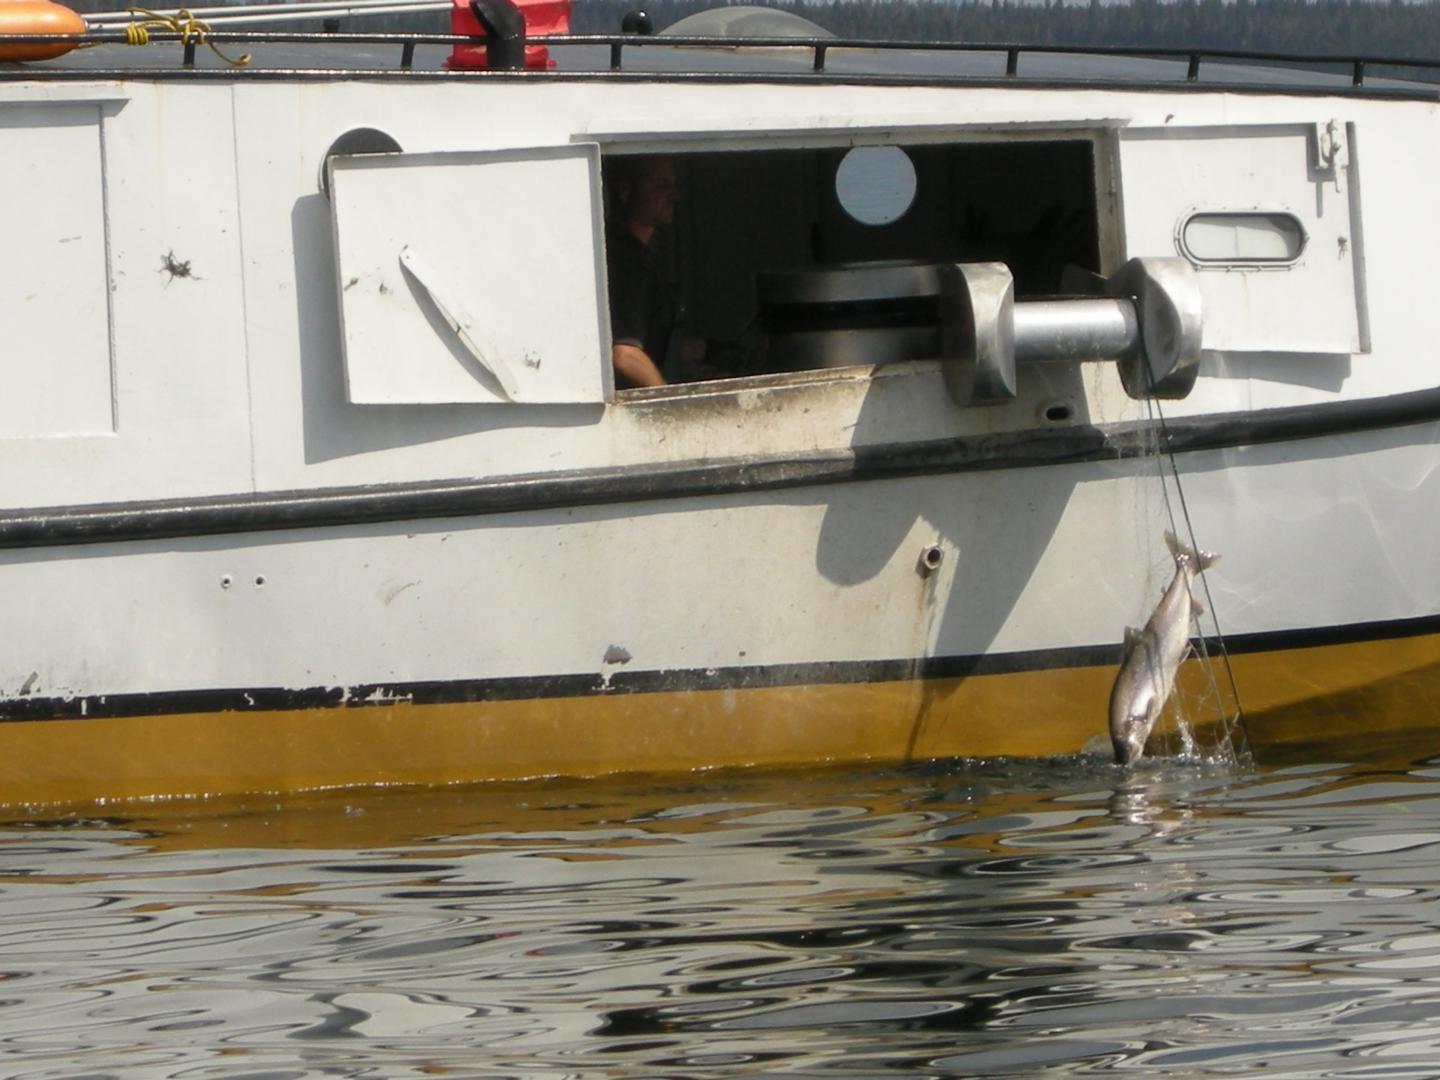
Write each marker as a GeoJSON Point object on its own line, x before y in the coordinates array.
{"type": "Point", "coordinates": [1152, 656]}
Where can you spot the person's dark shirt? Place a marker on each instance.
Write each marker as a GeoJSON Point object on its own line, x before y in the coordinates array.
{"type": "Point", "coordinates": [642, 306]}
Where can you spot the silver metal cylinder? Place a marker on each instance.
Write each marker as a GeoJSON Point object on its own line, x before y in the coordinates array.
{"type": "Point", "coordinates": [1068, 331]}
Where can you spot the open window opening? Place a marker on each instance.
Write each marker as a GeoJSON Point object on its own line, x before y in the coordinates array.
{"type": "Point", "coordinates": [752, 262]}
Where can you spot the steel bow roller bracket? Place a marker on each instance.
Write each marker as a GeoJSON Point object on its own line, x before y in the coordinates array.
{"type": "Point", "coordinates": [1146, 317]}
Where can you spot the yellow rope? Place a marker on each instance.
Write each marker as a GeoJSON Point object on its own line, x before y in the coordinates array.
{"type": "Point", "coordinates": [183, 23]}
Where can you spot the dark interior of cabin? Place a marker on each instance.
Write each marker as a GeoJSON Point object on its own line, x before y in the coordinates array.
{"type": "Point", "coordinates": [793, 259]}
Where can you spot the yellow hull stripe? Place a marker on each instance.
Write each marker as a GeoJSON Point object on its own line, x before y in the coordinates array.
{"type": "Point", "coordinates": [1289, 696]}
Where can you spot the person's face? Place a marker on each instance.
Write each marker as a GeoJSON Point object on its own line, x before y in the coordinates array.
{"type": "Point", "coordinates": [652, 196]}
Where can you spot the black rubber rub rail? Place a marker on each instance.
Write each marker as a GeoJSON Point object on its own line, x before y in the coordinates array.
{"type": "Point", "coordinates": [226, 514]}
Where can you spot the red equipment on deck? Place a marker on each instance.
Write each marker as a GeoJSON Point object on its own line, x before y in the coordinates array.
{"type": "Point", "coordinates": [541, 17]}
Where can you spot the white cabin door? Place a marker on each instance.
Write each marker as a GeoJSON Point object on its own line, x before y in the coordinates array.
{"type": "Point", "coordinates": [1269, 217]}
{"type": "Point", "coordinates": [472, 276]}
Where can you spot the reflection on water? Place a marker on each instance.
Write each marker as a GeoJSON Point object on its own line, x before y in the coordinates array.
{"type": "Point", "coordinates": [983, 918]}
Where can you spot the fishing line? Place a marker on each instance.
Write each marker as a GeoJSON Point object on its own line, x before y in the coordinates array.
{"type": "Point", "coordinates": [1243, 753]}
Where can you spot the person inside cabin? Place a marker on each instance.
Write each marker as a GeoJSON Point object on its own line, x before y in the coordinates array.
{"type": "Point", "coordinates": [642, 299]}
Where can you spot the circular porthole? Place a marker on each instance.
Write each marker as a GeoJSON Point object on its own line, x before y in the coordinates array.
{"type": "Point", "coordinates": [875, 184]}
{"type": "Point", "coordinates": [363, 140]}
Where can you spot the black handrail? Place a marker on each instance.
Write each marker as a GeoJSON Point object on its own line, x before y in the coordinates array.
{"type": "Point", "coordinates": [820, 48]}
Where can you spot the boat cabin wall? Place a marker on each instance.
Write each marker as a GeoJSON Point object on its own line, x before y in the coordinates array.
{"type": "Point", "coordinates": [177, 304]}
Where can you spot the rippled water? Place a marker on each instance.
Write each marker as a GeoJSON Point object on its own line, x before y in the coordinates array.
{"type": "Point", "coordinates": [977, 918]}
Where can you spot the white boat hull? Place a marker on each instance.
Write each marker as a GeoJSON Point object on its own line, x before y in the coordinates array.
{"type": "Point", "coordinates": [245, 548]}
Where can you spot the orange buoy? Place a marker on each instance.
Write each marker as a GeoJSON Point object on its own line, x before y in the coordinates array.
{"type": "Point", "coordinates": [37, 17]}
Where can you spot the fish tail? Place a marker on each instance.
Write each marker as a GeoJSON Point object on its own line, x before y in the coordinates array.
{"type": "Point", "coordinates": [1201, 560]}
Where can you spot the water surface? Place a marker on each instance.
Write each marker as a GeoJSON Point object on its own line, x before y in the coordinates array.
{"type": "Point", "coordinates": [1061, 917]}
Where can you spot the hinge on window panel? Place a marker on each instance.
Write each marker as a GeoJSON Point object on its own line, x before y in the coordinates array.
{"type": "Point", "coordinates": [1332, 153]}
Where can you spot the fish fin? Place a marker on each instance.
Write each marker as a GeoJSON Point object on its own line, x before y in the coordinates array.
{"type": "Point", "coordinates": [1131, 637]}
{"type": "Point", "coordinates": [1201, 560]}
{"type": "Point", "coordinates": [1196, 607]}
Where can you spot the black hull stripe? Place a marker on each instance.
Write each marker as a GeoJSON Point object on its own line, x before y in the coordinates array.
{"type": "Point", "coordinates": [465, 691]}
{"type": "Point", "coordinates": [169, 518]}
{"type": "Point", "coordinates": [1316, 637]}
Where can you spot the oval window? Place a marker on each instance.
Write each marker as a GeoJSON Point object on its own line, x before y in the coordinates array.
{"type": "Point", "coordinates": [1250, 237]}
{"type": "Point", "coordinates": [875, 184]}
